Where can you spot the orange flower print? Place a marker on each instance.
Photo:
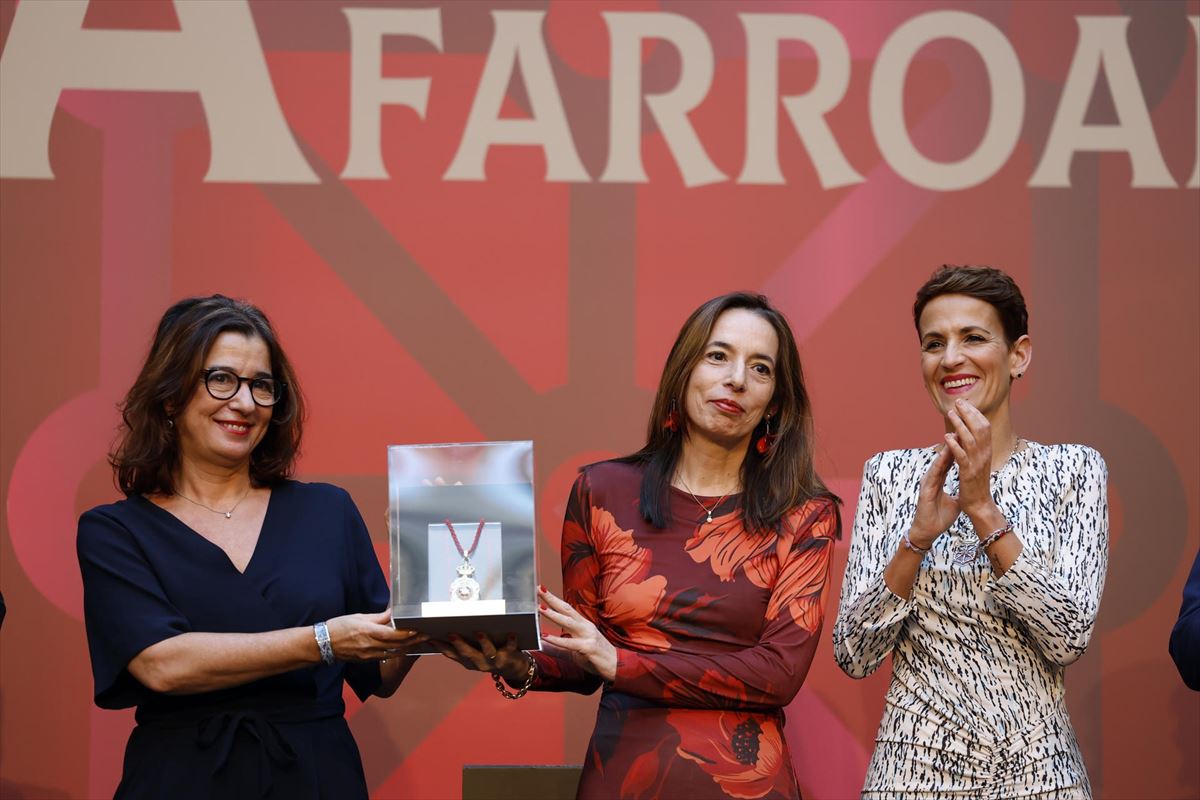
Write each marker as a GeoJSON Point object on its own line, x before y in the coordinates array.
{"type": "Point", "coordinates": [580, 562]}
{"type": "Point", "coordinates": [728, 546]}
{"type": "Point", "coordinates": [628, 597]}
{"type": "Point", "coordinates": [744, 757]}
{"type": "Point", "coordinates": [712, 688]}
{"type": "Point", "coordinates": [630, 609]}
{"type": "Point", "coordinates": [801, 581]}
{"type": "Point", "coordinates": [624, 561]}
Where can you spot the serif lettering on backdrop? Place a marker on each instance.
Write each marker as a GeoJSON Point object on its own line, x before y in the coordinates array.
{"type": "Point", "coordinates": [217, 54]}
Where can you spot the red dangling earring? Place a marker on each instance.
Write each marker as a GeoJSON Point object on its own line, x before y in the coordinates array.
{"type": "Point", "coordinates": [671, 423]}
{"type": "Point", "coordinates": [767, 440]}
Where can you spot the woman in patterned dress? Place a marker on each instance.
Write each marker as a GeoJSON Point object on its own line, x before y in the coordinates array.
{"type": "Point", "coordinates": [693, 574]}
{"type": "Point", "coordinates": [978, 565]}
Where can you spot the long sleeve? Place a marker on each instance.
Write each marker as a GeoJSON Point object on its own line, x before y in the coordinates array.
{"type": "Point", "coordinates": [1185, 636]}
{"type": "Point", "coordinates": [870, 615]}
{"type": "Point", "coordinates": [1056, 594]}
{"type": "Point", "coordinates": [769, 673]}
{"type": "Point", "coordinates": [581, 588]}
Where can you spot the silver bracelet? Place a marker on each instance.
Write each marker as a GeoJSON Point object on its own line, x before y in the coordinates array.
{"type": "Point", "coordinates": [908, 543]}
{"type": "Point", "coordinates": [321, 632]}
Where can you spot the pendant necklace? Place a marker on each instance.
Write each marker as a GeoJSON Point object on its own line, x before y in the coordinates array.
{"type": "Point", "coordinates": [465, 587]}
{"type": "Point", "coordinates": [966, 546]}
{"type": "Point", "coordinates": [708, 512]}
{"type": "Point", "coordinates": [227, 514]}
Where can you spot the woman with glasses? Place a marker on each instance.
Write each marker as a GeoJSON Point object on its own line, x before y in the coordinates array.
{"type": "Point", "coordinates": [977, 565]}
{"type": "Point", "coordinates": [694, 574]}
{"type": "Point", "coordinates": [223, 600]}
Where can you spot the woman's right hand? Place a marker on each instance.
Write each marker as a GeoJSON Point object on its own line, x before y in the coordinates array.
{"type": "Point", "coordinates": [511, 662]}
{"type": "Point", "coordinates": [936, 510]}
{"type": "Point", "coordinates": [370, 637]}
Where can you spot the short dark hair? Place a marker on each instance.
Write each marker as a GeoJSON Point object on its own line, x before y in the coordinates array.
{"type": "Point", "coordinates": [991, 285]}
{"type": "Point", "coordinates": [772, 484]}
{"type": "Point", "coordinates": [146, 455]}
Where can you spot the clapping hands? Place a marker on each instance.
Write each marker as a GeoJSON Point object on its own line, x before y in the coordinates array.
{"type": "Point", "coordinates": [969, 445]}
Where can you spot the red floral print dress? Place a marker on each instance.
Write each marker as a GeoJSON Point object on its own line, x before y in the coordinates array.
{"type": "Point", "coordinates": [715, 628]}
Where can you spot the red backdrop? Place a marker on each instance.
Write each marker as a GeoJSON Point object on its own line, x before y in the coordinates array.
{"type": "Point", "coordinates": [469, 277]}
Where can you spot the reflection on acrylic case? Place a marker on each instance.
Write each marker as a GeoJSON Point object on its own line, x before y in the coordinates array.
{"type": "Point", "coordinates": [462, 540]}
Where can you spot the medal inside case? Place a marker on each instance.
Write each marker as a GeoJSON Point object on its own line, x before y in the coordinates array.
{"type": "Point", "coordinates": [476, 562]}
{"type": "Point", "coordinates": [462, 541]}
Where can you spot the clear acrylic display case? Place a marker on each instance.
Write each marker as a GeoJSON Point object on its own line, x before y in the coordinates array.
{"type": "Point", "coordinates": [480, 494]}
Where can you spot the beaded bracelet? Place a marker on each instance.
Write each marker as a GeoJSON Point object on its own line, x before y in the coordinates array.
{"type": "Point", "coordinates": [994, 537]}
{"type": "Point", "coordinates": [519, 693]}
{"type": "Point", "coordinates": [908, 543]}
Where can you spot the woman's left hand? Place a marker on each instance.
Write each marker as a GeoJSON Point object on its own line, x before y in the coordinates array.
{"type": "Point", "coordinates": [509, 661]}
{"type": "Point", "coordinates": [580, 638]}
{"type": "Point", "coordinates": [971, 444]}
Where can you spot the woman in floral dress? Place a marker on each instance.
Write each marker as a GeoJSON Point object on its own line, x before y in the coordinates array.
{"type": "Point", "coordinates": [694, 574]}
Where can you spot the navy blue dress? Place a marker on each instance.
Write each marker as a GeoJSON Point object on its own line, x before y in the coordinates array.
{"type": "Point", "coordinates": [147, 577]}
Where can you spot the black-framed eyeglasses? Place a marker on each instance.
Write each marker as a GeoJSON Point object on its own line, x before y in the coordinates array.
{"type": "Point", "coordinates": [223, 384]}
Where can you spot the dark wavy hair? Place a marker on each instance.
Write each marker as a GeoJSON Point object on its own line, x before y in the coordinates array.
{"type": "Point", "coordinates": [772, 484]}
{"type": "Point", "coordinates": [988, 284]}
{"type": "Point", "coordinates": [146, 455]}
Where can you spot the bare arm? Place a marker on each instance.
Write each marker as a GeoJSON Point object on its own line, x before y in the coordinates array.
{"type": "Point", "coordinates": [196, 662]}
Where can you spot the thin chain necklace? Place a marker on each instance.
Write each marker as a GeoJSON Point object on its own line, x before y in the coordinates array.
{"type": "Point", "coordinates": [1007, 461]}
{"type": "Point", "coordinates": [708, 512]}
{"type": "Point", "coordinates": [227, 514]}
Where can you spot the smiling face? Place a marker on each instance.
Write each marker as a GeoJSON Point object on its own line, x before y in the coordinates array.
{"type": "Point", "coordinates": [964, 354]}
{"type": "Point", "coordinates": [223, 433]}
{"type": "Point", "coordinates": [730, 388]}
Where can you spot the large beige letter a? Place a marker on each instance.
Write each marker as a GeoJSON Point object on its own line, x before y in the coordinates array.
{"type": "Point", "coordinates": [215, 53]}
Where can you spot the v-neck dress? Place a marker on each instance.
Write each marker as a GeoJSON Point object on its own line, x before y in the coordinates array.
{"type": "Point", "coordinates": [976, 707]}
{"type": "Point", "coordinates": [148, 577]}
{"type": "Point", "coordinates": [714, 625]}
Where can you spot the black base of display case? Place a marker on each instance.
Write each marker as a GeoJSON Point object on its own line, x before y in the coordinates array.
{"type": "Point", "coordinates": [497, 627]}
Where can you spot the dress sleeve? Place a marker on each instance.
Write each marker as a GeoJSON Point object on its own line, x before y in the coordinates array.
{"type": "Point", "coordinates": [581, 588]}
{"type": "Point", "coordinates": [366, 592]}
{"type": "Point", "coordinates": [770, 673]}
{"type": "Point", "coordinates": [870, 615]}
{"type": "Point", "coordinates": [1185, 636]}
{"type": "Point", "coordinates": [125, 608]}
{"type": "Point", "coordinates": [1056, 596]}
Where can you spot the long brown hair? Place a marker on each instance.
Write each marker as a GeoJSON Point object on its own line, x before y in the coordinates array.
{"type": "Point", "coordinates": [772, 484]}
{"type": "Point", "coordinates": [146, 454]}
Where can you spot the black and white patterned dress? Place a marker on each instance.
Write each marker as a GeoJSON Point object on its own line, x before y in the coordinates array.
{"type": "Point", "coordinates": [976, 703]}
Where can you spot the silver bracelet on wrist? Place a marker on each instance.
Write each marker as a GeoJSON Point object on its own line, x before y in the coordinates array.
{"type": "Point", "coordinates": [321, 632]}
{"type": "Point", "coordinates": [908, 544]}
